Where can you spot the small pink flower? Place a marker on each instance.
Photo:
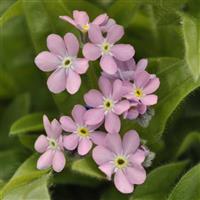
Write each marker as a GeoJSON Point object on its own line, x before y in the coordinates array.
{"type": "Point", "coordinates": [123, 159]}
{"type": "Point", "coordinates": [81, 20]}
{"type": "Point", "coordinates": [62, 59]}
{"type": "Point", "coordinates": [83, 135]}
{"type": "Point", "coordinates": [106, 48]}
{"type": "Point", "coordinates": [106, 105]}
{"type": "Point", "coordinates": [141, 90]}
{"type": "Point", "coordinates": [51, 146]}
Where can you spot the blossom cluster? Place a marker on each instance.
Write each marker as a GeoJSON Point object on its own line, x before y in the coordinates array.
{"type": "Point", "coordinates": [126, 90]}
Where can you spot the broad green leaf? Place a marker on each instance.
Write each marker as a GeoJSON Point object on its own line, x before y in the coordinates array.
{"type": "Point", "coordinates": [190, 140]}
{"type": "Point", "coordinates": [87, 166]}
{"type": "Point", "coordinates": [28, 123]}
{"type": "Point", "coordinates": [159, 182]}
{"type": "Point", "coordinates": [27, 182]}
{"type": "Point", "coordinates": [188, 186]}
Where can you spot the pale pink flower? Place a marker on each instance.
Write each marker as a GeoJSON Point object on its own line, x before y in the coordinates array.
{"type": "Point", "coordinates": [106, 48]}
{"type": "Point", "coordinates": [81, 20]}
{"type": "Point", "coordinates": [62, 59]}
{"type": "Point", "coordinates": [141, 90]}
{"type": "Point", "coordinates": [123, 159]}
{"type": "Point", "coordinates": [107, 105]}
{"type": "Point", "coordinates": [83, 135]}
{"type": "Point", "coordinates": [51, 146]}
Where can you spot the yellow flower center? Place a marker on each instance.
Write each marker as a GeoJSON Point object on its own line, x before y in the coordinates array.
{"type": "Point", "coordinates": [85, 28]}
{"type": "Point", "coordinates": [121, 162]}
{"type": "Point", "coordinates": [108, 104]}
{"type": "Point", "coordinates": [83, 132]}
{"type": "Point", "coordinates": [138, 92]}
{"type": "Point", "coordinates": [105, 47]}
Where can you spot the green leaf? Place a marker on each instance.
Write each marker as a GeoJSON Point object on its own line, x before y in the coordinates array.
{"type": "Point", "coordinates": [27, 183]}
{"type": "Point", "coordinates": [113, 194]}
{"type": "Point", "coordinates": [28, 123]}
{"type": "Point", "coordinates": [87, 166]}
{"type": "Point", "coordinates": [191, 33]}
{"type": "Point", "coordinates": [188, 186]}
{"type": "Point", "coordinates": [159, 182]}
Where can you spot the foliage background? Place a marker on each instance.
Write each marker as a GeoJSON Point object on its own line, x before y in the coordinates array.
{"type": "Point", "coordinates": [165, 31]}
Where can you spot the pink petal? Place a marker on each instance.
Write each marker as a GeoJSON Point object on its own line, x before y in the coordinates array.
{"type": "Point", "coordinates": [142, 64]}
{"type": "Point", "coordinates": [114, 143]}
{"type": "Point", "coordinates": [117, 90]}
{"type": "Point", "coordinates": [91, 51]}
{"type": "Point", "coordinates": [123, 52]}
{"type": "Point", "coordinates": [68, 19]}
{"type": "Point", "coordinates": [100, 19]}
{"type": "Point", "coordinates": [115, 33]}
{"type": "Point", "coordinates": [59, 161]}
{"type": "Point", "coordinates": [142, 108]}
{"type": "Point", "coordinates": [141, 79]}
{"type": "Point", "coordinates": [95, 34]}
{"type": "Point", "coordinates": [47, 61]}
{"type": "Point", "coordinates": [108, 169]}
{"type": "Point", "coordinates": [72, 44]}
{"type": "Point", "coordinates": [152, 86]}
{"type": "Point", "coordinates": [45, 160]}
{"type": "Point", "coordinates": [121, 107]}
{"type": "Point", "coordinates": [131, 114]}
{"type": "Point", "coordinates": [81, 65]}
{"type": "Point", "coordinates": [93, 98]}
{"type": "Point", "coordinates": [47, 125]}
{"type": "Point", "coordinates": [67, 124]}
{"type": "Point", "coordinates": [80, 17]}
{"type": "Point", "coordinates": [108, 64]}
{"type": "Point", "coordinates": [138, 157]}
{"type": "Point", "coordinates": [149, 100]}
{"type": "Point", "coordinates": [56, 45]}
{"type": "Point", "coordinates": [73, 82]}
{"type": "Point", "coordinates": [112, 123]}
{"type": "Point", "coordinates": [84, 146]}
{"type": "Point", "coordinates": [78, 114]}
{"type": "Point", "coordinates": [105, 86]}
{"type": "Point", "coordinates": [70, 142]}
{"type": "Point", "coordinates": [102, 155]}
{"type": "Point", "coordinates": [98, 137]}
{"type": "Point", "coordinates": [56, 81]}
{"type": "Point", "coordinates": [56, 128]}
{"type": "Point", "coordinates": [122, 183]}
{"type": "Point", "coordinates": [94, 116]}
{"type": "Point", "coordinates": [41, 144]}
{"type": "Point", "coordinates": [136, 174]}
{"type": "Point", "coordinates": [131, 142]}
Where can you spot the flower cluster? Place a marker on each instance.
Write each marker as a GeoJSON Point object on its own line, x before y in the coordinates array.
{"type": "Point", "coordinates": [125, 89]}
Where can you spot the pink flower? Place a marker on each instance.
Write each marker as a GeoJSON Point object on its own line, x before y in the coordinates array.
{"type": "Point", "coordinates": [106, 105]}
{"type": "Point", "coordinates": [50, 146]}
{"type": "Point", "coordinates": [141, 90]}
{"type": "Point", "coordinates": [123, 159]}
{"type": "Point", "coordinates": [106, 48]}
{"type": "Point", "coordinates": [62, 59]}
{"type": "Point", "coordinates": [81, 20]}
{"type": "Point", "coordinates": [83, 135]}
{"type": "Point", "coordinates": [136, 109]}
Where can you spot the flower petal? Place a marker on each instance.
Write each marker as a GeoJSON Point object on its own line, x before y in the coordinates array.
{"type": "Point", "coordinates": [56, 45]}
{"type": "Point", "coordinates": [102, 155]}
{"type": "Point", "coordinates": [108, 64]}
{"type": "Point", "coordinates": [67, 124]}
{"type": "Point", "coordinates": [142, 64]}
{"type": "Point", "coordinates": [138, 157]}
{"type": "Point", "coordinates": [131, 114]}
{"type": "Point", "coordinates": [131, 142]}
{"type": "Point", "coordinates": [105, 86]}
{"type": "Point", "coordinates": [70, 142]}
{"type": "Point", "coordinates": [45, 160]}
{"type": "Point", "coordinates": [73, 82]}
{"type": "Point", "coordinates": [141, 79]}
{"type": "Point", "coordinates": [58, 161]}
{"type": "Point", "coordinates": [57, 80]}
{"type": "Point", "coordinates": [94, 116]}
{"type": "Point", "coordinates": [78, 114]}
{"type": "Point", "coordinates": [98, 137]}
{"type": "Point", "coordinates": [68, 19]}
{"type": "Point", "coordinates": [93, 98]}
{"type": "Point", "coordinates": [101, 19]}
{"type": "Point", "coordinates": [121, 107]}
{"type": "Point", "coordinates": [56, 128]}
{"type": "Point", "coordinates": [84, 146]}
{"type": "Point", "coordinates": [117, 90]}
{"type": "Point", "coordinates": [112, 123]}
{"type": "Point", "coordinates": [47, 61]}
{"type": "Point", "coordinates": [91, 51]}
{"type": "Point", "coordinates": [95, 34]}
{"type": "Point", "coordinates": [115, 33]}
{"type": "Point", "coordinates": [81, 65]}
{"type": "Point", "coordinates": [41, 144]}
{"type": "Point", "coordinates": [72, 44]}
{"type": "Point", "coordinates": [47, 125]}
{"type": "Point", "coordinates": [114, 143]}
{"type": "Point", "coordinates": [123, 52]}
{"type": "Point", "coordinates": [149, 100]}
{"type": "Point", "coordinates": [108, 169]}
{"type": "Point", "coordinates": [122, 183]}
{"type": "Point", "coordinates": [152, 86]}
{"type": "Point", "coordinates": [80, 17]}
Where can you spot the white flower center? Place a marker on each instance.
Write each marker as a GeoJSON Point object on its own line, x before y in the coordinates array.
{"type": "Point", "coordinates": [121, 162]}
{"type": "Point", "coordinates": [105, 47]}
{"type": "Point", "coordinates": [83, 132]}
{"type": "Point", "coordinates": [53, 143]}
{"type": "Point", "coordinates": [67, 62]}
{"type": "Point", "coordinates": [108, 104]}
